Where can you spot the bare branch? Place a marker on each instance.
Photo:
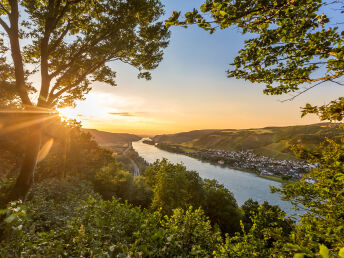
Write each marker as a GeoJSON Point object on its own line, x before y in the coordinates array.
{"type": "Point", "coordinates": [303, 91]}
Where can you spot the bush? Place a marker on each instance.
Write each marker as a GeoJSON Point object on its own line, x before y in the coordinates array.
{"type": "Point", "coordinates": [221, 207]}
{"type": "Point", "coordinates": [176, 187]}
{"type": "Point", "coordinates": [80, 224]}
{"type": "Point", "coordinates": [114, 181]}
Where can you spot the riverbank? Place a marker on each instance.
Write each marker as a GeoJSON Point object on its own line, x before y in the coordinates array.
{"type": "Point", "coordinates": [274, 170]}
{"type": "Point", "coordinates": [243, 184]}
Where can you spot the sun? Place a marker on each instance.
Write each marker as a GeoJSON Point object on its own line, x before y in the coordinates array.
{"type": "Point", "coordinates": [69, 114]}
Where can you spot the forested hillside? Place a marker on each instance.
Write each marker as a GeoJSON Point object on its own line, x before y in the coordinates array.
{"type": "Point", "coordinates": [270, 141]}
{"type": "Point", "coordinates": [107, 138]}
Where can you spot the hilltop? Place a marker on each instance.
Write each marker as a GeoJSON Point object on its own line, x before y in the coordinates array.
{"type": "Point", "coordinates": [107, 138]}
{"type": "Point", "coordinates": [269, 141]}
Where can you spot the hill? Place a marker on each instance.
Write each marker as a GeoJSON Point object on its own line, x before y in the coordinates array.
{"type": "Point", "coordinates": [107, 138]}
{"type": "Point", "coordinates": [269, 141]}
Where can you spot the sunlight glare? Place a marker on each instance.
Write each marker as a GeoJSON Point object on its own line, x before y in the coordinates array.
{"type": "Point", "coordinates": [68, 114]}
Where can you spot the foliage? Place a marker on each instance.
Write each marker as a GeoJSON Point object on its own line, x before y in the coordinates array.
{"type": "Point", "coordinates": [114, 181]}
{"type": "Point", "coordinates": [73, 152]}
{"type": "Point", "coordinates": [333, 111]}
{"type": "Point", "coordinates": [221, 207]}
{"type": "Point", "coordinates": [73, 41]}
{"type": "Point", "coordinates": [176, 187]}
{"type": "Point", "coordinates": [268, 213]}
{"type": "Point", "coordinates": [323, 200]}
{"type": "Point", "coordinates": [293, 46]}
{"type": "Point", "coordinates": [141, 162]}
{"type": "Point", "coordinates": [185, 233]}
{"type": "Point", "coordinates": [173, 186]}
{"type": "Point", "coordinates": [5, 186]}
{"type": "Point", "coordinates": [73, 226]}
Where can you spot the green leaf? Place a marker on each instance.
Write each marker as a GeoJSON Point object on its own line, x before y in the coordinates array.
{"type": "Point", "coordinates": [299, 255]}
{"type": "Point", "coordinates": [10, 218]}
{"type": "Point", "coordinates": [324, 252]}
{"type": "Point", "coordinates": [341, 253]}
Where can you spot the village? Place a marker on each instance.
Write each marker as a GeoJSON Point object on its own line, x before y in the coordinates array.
{"type": "Point", "coordinates": [245, 160]}
{"type": "Point", "coordinates": [262, 165]}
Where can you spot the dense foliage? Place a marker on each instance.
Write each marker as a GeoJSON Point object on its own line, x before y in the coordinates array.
{"type": "Point", "coordinates": [65, 218]}
{"type": "Point", "coordinates": [176, 187]}
{"type": "Point", "coordinates": [114, 181]}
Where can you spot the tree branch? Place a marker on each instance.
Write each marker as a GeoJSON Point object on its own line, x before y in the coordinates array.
{"type": "Point", "coordinates": [82, 77]}
{"type": "Point", "coordinates": [305, 90]}
{"type": "Point", "coordinates": [17, 55]}
{"type": "Point", "coordinates": [5, 26]}
{"type": "Point", "coordinates": [78, 54]}
{"type": "Point", "coordinates": [53, 47]}
{"type": "Point", "coordinates": [4, 9]}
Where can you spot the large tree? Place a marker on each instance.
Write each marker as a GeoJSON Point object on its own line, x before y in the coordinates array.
{"type": "Point", "coordinates": [292, 47]}
{"type": "Point", "coordinates": [70, 44]}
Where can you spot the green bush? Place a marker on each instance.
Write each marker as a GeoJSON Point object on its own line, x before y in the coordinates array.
{"type": "Point", "coordinates": [176, 187]}
{"type": "Point", "coordinates": [68, 219]}
{"type": "Point", "coordinates": [114, 181]}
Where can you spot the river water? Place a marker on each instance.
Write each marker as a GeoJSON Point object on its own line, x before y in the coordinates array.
{"type": "Point", "coordinates": [243, 185]}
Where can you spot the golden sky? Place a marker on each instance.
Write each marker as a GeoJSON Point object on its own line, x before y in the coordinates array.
{"type": "Point", "coordinates": [190, 90]}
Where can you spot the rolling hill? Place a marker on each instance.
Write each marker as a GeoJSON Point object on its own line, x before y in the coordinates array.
{"type": "Point", "coordinates": [107, 138]}
{"type": "Point", "coordinates": [269, 141]}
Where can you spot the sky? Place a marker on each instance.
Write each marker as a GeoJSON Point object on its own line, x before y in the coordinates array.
{"type": "Point", "coordinates": [189, 90]}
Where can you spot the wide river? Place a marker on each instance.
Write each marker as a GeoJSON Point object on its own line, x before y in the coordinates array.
{"type": "Point", "coordinates": [243, 185]}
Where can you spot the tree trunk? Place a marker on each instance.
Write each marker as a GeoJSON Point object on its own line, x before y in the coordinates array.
{"type": "Point", "coordinates": [26, 175]}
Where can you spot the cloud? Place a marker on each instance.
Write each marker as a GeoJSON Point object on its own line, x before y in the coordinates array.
{"type": "Point", "coordinates": [128, 114]}
{"type": "Point", "coordinates": [121, 114]}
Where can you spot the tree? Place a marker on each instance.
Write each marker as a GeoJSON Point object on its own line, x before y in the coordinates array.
{"type": "Point", "coordinates": [72, 42]}
{"type": "Point", "coordinates": [221, 207]}
{"type": "Point", "coordinates": [293, 47]}
{"type": "Point", "coordinates": [173, 186]}
{"type": "Point", "coordinates": [114, 181]}
{"type": "Point", "coordinates": [72, 152]}
{"type": "Point", "coordinates": [322, 199]}
{"type": "Point", "coordinates": [272, 214]}
{"type": "Point", "coordinates": [176, 187]}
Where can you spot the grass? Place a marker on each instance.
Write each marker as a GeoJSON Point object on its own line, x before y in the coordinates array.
{"type": "Point", "coordinates": [277, 179]}
{"type": "Point", "coordinates": [189, 150]}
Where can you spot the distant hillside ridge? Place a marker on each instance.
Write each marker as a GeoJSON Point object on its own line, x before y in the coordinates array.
{"type": "Point", "coordinates": [107, 138]}
{"type": "Point", "coordinates": [269, 141]}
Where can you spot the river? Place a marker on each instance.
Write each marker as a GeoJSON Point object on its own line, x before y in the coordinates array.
{"type": "Point", "coordinates": [243, 185]}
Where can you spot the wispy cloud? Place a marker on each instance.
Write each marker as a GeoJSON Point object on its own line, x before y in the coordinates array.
{"type": "Point", "coordinates": [121, 114]}
{"type": "Point", "coordinates": [128, 114]}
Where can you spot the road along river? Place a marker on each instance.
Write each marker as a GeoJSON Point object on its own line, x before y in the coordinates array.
{"type": "Point", "coordinates": [243, 185]}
